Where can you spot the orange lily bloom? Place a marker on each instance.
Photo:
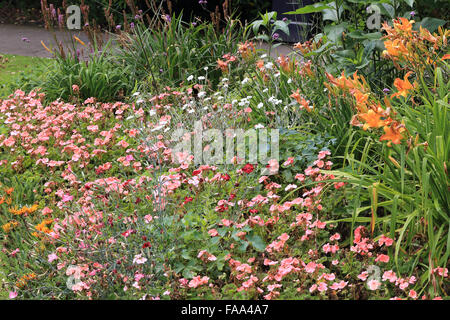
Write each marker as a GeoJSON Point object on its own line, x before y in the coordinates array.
{"type": "Point", "coordinates": [372, 119]}
{"type": "Point", "coordinates": [403, 24]}
{"type": "Point", "coordinates": [392, 134]}
{"type": "Point", "coordinates": [403, 86]}
{"type": "Point", "coordinates": [223, 65]}
{"type": "Point", "coordinates": [302, 101]}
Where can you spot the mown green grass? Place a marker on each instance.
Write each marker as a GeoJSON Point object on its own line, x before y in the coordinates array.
{"type": "Point", "coordinates": [17, 70]}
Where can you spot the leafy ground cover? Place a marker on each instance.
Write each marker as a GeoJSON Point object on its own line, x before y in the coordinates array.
{"type": "Point", "coordinates": [98, 202]}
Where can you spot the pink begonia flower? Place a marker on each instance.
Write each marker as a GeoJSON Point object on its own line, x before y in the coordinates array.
{"type": "Point", "coordinates": [363, 276]}
{"type": "Point", "coordinates": [382, 258]}
{"type": "Point", "coordinates": [52, 257]}
{"type": "Point", "coordinates": [310, 267]}
{"type": "Point", "coordinates": [67, 198]}
{"type": "Point", "coordinates": [373, 284]}
{"type": "Point", "coordinates": [12, 294]}
{"type": "Point", "coordinates": [213, 232]}
{"type": "Point", "coordinates": [288, 162]}
{"type": "Point", "coordinates": [412, 294]}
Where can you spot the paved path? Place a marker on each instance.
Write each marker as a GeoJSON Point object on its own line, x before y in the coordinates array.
{"type": "Point", "coordinates": [26, 41]}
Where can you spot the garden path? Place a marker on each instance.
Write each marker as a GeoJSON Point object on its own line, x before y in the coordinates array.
{"type": "Point", "coordinates": [26, 41]}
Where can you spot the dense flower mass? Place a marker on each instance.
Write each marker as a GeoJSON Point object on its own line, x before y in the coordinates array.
{"type": "Point", "coordinates": [98, 202]}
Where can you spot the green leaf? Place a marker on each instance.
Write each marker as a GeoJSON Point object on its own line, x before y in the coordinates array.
{"type": "Point", "coordinates": [312, 8]}
{"type": "Point", "coordinates": [357, 34]}
{"type": "Point", "coordinates": [283, 26]}
{"type": "Point", "coordinates": [334, 33]}
{"type": "Point", "coordinates": [256, 25]}
{"type": "Point", "coordinates": [256, 241]}
{"type": "Point", "coordinates": [409, 2]}
{"type": "Point", "coordinates": [332, 14]}
{"type": "Point", "coordinates": [432, 24]}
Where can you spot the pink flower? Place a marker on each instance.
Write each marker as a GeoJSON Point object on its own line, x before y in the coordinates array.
{"type": "Point", "coordinates": [322, 287]}
{"type": "Point", "coordinates": [197, 281]}
{"type": "Point", "coordinates": [213, 232]}
{"type": "Point", "coordinates": [9, 142]}
{"type": "Point", "coordinates": [67, 198]}
{"type": "Point", "coordinates": [52, 257]}
{"type": "Point", "coordinates": [288, 162]}
{"type": "Point", "coordinates": [139, 259]}
{"type": "Point", "coordinates": [385, 240]}
{"type": "Point", "coordinates": [13, 253]}
{"type": "Point", "coordinates": [412, 294]}
{"type": "Point", "coordinates": [382, 258]}
{"type": "Point", "coordinates": [12, 294]}
{"type": "Point", "coordinates": [46, 211]}
{"type": "Point", "coordinates": [389, 275]}
{"type": "Point", "coordinates": [373, 284]}
{"type": "Point", "coordinates": [363, 276]}
{"type": "Point", "coordinates": [310, 267]}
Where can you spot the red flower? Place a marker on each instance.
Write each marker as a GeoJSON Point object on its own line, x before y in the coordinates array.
{"type": "Point", "coordinates": [187, 199]}
{"type": "Point", "coordinates": [248, 168]}
{"type": "Point", "coordinates": [146, 245]}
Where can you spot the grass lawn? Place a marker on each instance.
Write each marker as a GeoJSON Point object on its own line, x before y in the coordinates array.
{"type": "Point", "coordinates": [14, 69]}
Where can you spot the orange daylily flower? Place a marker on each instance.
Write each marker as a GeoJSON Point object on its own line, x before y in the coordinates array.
{"type": "Point", "coordinates": [446, 56]}
{"type": "Point", "coordinates": [285, 63]}
{"type": "Point", "coordinates": [392, 134]}
{"type": "Point", "coordinates": [223, 65]}
{"type": "Point", "coordinates": [361, 100]}
{"type": "Point", "coordinates": [302, 101]}
{"type": "Point", "coordinates": [395, 48]}
{"type": "Point", "coordinates": [246, 49]}
{"type": "Point", "coordinates": [79, 40]}
{"type": "Point", "coordinates": [372, 119]}
{"type": "Point", "coordinates": [346, 83]}
{"type": "Point", "coordinates": [403, 24]}
{"type": "Point", "coordinates": [403, 86]}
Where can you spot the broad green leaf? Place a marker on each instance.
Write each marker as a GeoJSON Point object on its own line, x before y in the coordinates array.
{"type": "Point", "coordinates": [333, 14]}
{"type": "Point", "coordinates": [432, 24]}
{"type": "Point", "coordinates": [312, 8]}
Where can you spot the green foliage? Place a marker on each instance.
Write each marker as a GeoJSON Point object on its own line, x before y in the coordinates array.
{"type": "Point", "coordinates": [178, 50]}
{"type": "Point", "coordinates": [99, 76]}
